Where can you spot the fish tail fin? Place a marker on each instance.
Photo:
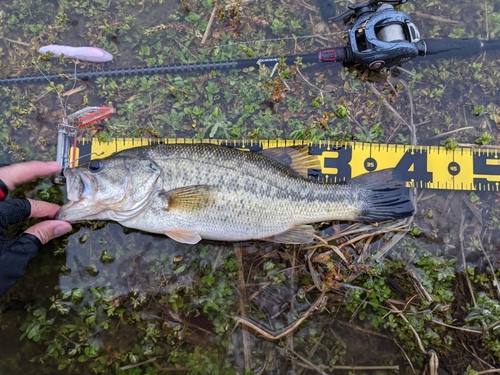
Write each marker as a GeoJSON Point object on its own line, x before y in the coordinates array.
{"type": "Point", "coordinates": [385, 198]}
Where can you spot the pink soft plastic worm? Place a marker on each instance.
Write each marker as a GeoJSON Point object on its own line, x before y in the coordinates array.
{"type": "Point", "coordinates": [91, 54]}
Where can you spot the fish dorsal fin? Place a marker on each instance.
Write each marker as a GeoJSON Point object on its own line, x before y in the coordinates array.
{"type": "Point", "coordinates": [188, 198]}
{"type": "Point", "coordinates": [184, 236]}
{"type": "Point", "coordinates": [295, 158]}
{"type": "Point", "coordinates": [299, 234]}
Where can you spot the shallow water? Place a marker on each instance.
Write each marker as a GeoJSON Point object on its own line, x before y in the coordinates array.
{"type": "Point", "coordinates": [106, 298]}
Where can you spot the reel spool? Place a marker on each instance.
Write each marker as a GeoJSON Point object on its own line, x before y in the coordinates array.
{"type": "Point", "coordinates": [391, 33]}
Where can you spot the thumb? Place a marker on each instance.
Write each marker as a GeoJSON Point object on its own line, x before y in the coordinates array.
{"type": "Point", "coordinates": [49, 229]}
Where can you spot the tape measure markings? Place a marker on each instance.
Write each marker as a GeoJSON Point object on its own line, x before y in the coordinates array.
{"type": "Point", "coordinates": [432, 167]}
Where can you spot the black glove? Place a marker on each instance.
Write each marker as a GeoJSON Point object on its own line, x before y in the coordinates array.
{"type": "Point", "coordinates": [16, 253]}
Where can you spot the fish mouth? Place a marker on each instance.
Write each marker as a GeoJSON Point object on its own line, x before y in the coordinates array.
{"type": "Point", "coordinates": [80, 191]}
{"type": "Point", "coordinates": [78, 186]}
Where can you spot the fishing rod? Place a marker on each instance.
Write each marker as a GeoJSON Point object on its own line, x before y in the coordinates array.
{"type": "Point", "coordinates": [379, 36]}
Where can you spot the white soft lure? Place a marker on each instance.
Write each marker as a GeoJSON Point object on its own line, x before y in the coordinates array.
{"type": "Point", "coordinates": [91, 54]}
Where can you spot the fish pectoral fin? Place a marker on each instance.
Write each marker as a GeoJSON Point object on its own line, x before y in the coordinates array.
{"type": "Point", "coordinates": [188, 198]}
{"type": "Point", "coordinates": [184, 236]}
{"type": "Point", "coordinates": [295, 158]}
{"type": "Point", "coordinates": [297, 235]}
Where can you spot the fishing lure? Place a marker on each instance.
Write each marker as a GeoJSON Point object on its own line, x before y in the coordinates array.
{"type": "Point", "coordinates": [91, 54]}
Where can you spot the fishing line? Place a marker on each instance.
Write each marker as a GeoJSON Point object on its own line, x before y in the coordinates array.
{"type": "Point", "coordinates": [72, 162]}
{"type": "Point", "coordinates": [270, 40]}
{"type": "Point", "coordinates": [74, 85]}
{"type": "Point", "coordinates": [61, 102]}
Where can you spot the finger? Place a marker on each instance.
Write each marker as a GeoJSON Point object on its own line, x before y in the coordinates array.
{"type": "Point", "coordinates": [49, 229]}
{"type": "Point", "coordinates": [20, 173]}
{"type": "Point", "coordinates": [43, 209]}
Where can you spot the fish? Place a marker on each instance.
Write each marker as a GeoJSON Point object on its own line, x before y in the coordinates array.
{"type": "Point", "coordinates": [191, 192]}
{"type": "Point", "coordinates": [91, 54]}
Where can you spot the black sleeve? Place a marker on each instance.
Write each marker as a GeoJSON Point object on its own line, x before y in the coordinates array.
{"type": "Point", "coordinates": [15, 254]}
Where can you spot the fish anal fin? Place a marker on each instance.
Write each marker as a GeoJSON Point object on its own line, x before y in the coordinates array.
{"type": "Point", "coordinates": [299, 234]}
{"type": "Point", "coordinates": [184, 236]}
{"type": "Point", "coordinates": [188, 198]}
{"type": "Point", "coordinates": [295, 158]}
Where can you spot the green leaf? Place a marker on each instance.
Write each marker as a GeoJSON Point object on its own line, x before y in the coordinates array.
{"type": "Point", "coordinates": [34, 330]}
{"type": "Point", "coordinates": [180, 269]}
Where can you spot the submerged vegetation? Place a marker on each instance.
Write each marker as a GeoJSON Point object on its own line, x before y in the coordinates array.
{"type": "Point", "coordinates": [391, 299]}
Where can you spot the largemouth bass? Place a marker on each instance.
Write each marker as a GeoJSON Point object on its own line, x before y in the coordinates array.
{"type": "Point", "coordinates": [204, 191]}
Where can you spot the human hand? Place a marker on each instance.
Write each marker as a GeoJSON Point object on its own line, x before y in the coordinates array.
{"type": "Point", "coordinates": [16, 253]}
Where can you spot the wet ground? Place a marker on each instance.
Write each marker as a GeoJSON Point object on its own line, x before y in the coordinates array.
{"type": "Point", "coordinates": [111, 300]}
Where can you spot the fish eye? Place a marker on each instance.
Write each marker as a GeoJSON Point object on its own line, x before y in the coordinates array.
{"type": "Point", "coordinates": [95, 166]}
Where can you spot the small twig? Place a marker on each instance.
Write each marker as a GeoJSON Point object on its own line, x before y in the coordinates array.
{"type": "Point", "coordinates": [389, 106]}
{"type": "Point", "coordinates": [334, 248]}
{"type": "Point", "coordinates": [314, 348]}
{"type": "Point", "coordinates": [406, 355]}
{"type": "Point", "coordinates": [486, 20]}
{"type": "Point", "coordinates": [295, 44]}
{"type": "Point", "coordinates": [188, 50]}
{"type": "Point", "coordinates": [477, 147]}
{"type": "Point", "coordinates": [67, 338]}
{"type": "Point", "coordinates": [14, 41]}
{"type": "Point", "coordinates": [437, 321]}
{"type": "Point", "coordinates": [288, 330]}
{"type": "Point", "coordinates": [74, 91]}
{"type": "Point", "coordinates": [411, 126]}
{"type": "Point", "coordinates": [464, 262]}
{"type": "Point", "coordinates": [417, 337]}
{"type": "Point", "coordinates": [307, 6]}
{"type": "Point", "coordinates": [247, 344]}
{"type": "Point", "coordinates": [418, 284]}
{"type": "Point", "coordinates": [362, 368]}
{"type": "Point", "coordinates": [392, 228]}
{"type": "Point", "coordinates": [437, 18]}
{"type": "Point", "coordinates": [134, 365]}
{"type": "Point", "coordinates": [168, 369]}
{"type": "Point", "coordinates": [387, 246]}
{"type": "Point", "coordinates": [309, 363]}
{"type": "Point", "coordinates": [451, 132]}
{"type": "Point", "coordinates": [470, 349]}
{"type": "Point", "coordinates": [365, 330]}
{"type": "Point", "coordinates": [405, 70]}
{"type": "Point", "coordinates": [495, 279]}
{"type": "Point", "coordinates": [352, 229]}
{"type": "Point", "coordinates": [310, 84]}
{"type": "Point", "coordinates": [433, 364]}
{"type": "Point", "coordinates": [492, 325]}
{"type": "Point", "coordinates": [490, 371]}
{"type": "Point", "coordinates": [238, 3]}
{"type": "Point", "coordinates": [353, 119]}
{"type": "Point", "coordinates": [318, 368]}
{"type": "Point", "coordinates": [210, 21]}
{"type": "Point", "coordinates": [313, 272]}
{"type": "Point", "coordinates": [375, 233]}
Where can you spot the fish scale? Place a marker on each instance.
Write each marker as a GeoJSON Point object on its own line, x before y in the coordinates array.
{"type": "Point", "coordinates": [204, 191]}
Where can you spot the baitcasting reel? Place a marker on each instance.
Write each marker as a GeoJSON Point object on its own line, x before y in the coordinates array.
{"type": "Point", "coordinates": [379, 35]}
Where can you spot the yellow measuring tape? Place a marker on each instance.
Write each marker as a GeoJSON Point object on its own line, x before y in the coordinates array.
{"type": "Point", "coordinates": [430, 167]}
